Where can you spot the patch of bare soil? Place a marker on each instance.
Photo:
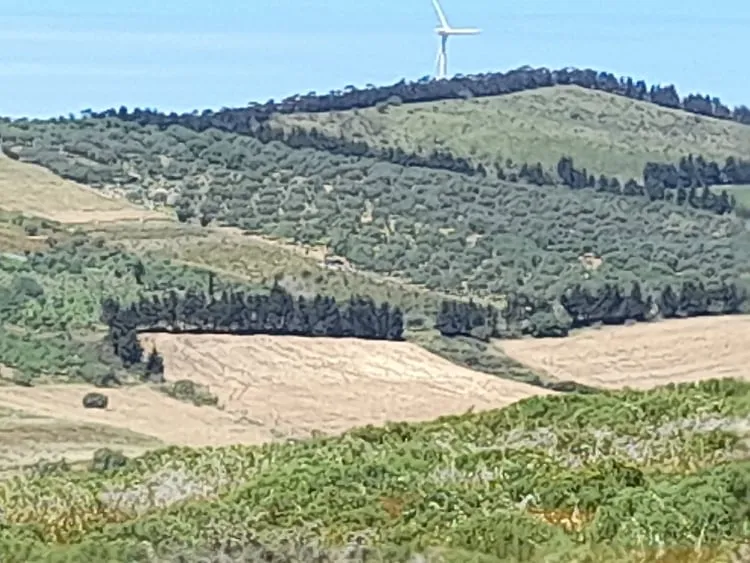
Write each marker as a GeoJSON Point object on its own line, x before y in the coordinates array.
{"type": "Point", "coordinates": [291, 386]}
{"type": "Point", "coordinates": [34, 190]}
{"type": "Point", "coordinates": [644, 355]}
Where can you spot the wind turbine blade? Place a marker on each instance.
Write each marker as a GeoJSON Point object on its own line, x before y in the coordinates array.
{"type": "Point", "coordinates": [438, 58]}
{"type": "Point", "coordinates": [464, 31]}
{"type": "Point", "coordinates": [440, 14]}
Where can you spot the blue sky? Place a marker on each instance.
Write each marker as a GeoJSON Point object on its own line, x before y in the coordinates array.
{"type": "Point", "coordinates": [58, 57]}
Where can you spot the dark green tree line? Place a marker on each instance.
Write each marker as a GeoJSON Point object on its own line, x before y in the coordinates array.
{"type": "Point", "coordinates": [579, 306]}
{"type": "Point", "coordinates": [240, 313]}
{"type": "Point", "coordinates": [245, 120]}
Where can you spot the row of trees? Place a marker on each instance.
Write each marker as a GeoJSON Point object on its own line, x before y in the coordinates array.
{"type": "Point", "coordinates": [237, 312]}
{"type": "Point", "coordinates": [691, 172]}
{"type": "Point", "coordinates": [242, 120]}
{"type": "Point", "coordinates": [693, 192]}
{"type": "Point", "coordinates": [299, 138]}
{"type": "Point", "coordinates": [579, 307]}
{"type": "Point", "coordinates": [659, 179]}
{"type": "Point", "coordinates": [697, 171]}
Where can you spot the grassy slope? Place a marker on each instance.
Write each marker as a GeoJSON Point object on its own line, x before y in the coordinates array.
{"type": "Point", "coordinates": [36, 191]}
{"type": "Point", "coordinates": [606, 133]}
{"type": "Point", "coordinates": [628, 470]}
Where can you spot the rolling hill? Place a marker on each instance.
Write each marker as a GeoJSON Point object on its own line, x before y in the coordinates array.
{"type": "Point", "coordinates": [289, 315]}
{"type": "Point", "coordinates": [606, 133]}
{"type": "Point", "coordinates": [448, 232]}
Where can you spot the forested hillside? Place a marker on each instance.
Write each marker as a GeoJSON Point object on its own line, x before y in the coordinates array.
{"type": "Point", "coordinates": [466, 235]}
{"type": "Point", "coordinates": [614, 132]}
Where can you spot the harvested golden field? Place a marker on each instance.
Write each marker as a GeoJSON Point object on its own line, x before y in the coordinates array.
{"type": "Point", "coordinates": [33, 190]}
{"type": "Point", "coordinates": [606, 133]}
{"type": "Point", "coordinates": [141, 410]}
{"type": "Point", "coordinates": [292, 386]}
{"type": "Point", "coordinates": [645, 355]}
{"type": "Point", "coordinates": [269, 388]}
{"type": "Point", "coordinates": [26, 438]}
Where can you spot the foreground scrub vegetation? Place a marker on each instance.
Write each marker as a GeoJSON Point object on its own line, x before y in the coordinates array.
{"type": "Point", "coordinates": [615, 477]}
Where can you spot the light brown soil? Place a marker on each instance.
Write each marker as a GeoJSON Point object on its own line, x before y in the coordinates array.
{"type": "Point", "coordinates": [644, 355]}
{"type": "Point", "coordinates": [34, 190]}
{"type": "Point", "coordinates": [296, 385]}
{"type": "Point", "coordinates": [142, 410]}
{"type": "Point", "coordinates": [26, 438]}
{"type": "Point", "coordinates": [278, 387]}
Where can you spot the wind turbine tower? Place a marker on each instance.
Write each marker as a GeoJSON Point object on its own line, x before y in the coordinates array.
{"type": "Point", "coordinates": [445, 31]}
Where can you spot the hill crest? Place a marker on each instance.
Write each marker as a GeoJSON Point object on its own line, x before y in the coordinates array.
{"type": "Point", "coordinates": [424, 90]}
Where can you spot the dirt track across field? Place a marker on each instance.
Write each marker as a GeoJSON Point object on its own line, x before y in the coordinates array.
{"type": "Point", "coordinates": [34, 190]}
{"type": "Point", "coordinates": [644, 355]}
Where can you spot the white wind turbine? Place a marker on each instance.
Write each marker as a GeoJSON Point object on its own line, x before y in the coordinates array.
{"type": "Point", "coordinates": [445, 31]}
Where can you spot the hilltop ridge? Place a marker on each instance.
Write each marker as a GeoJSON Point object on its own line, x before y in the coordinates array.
{"type": "Point", "coordinates": [426, 90]}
